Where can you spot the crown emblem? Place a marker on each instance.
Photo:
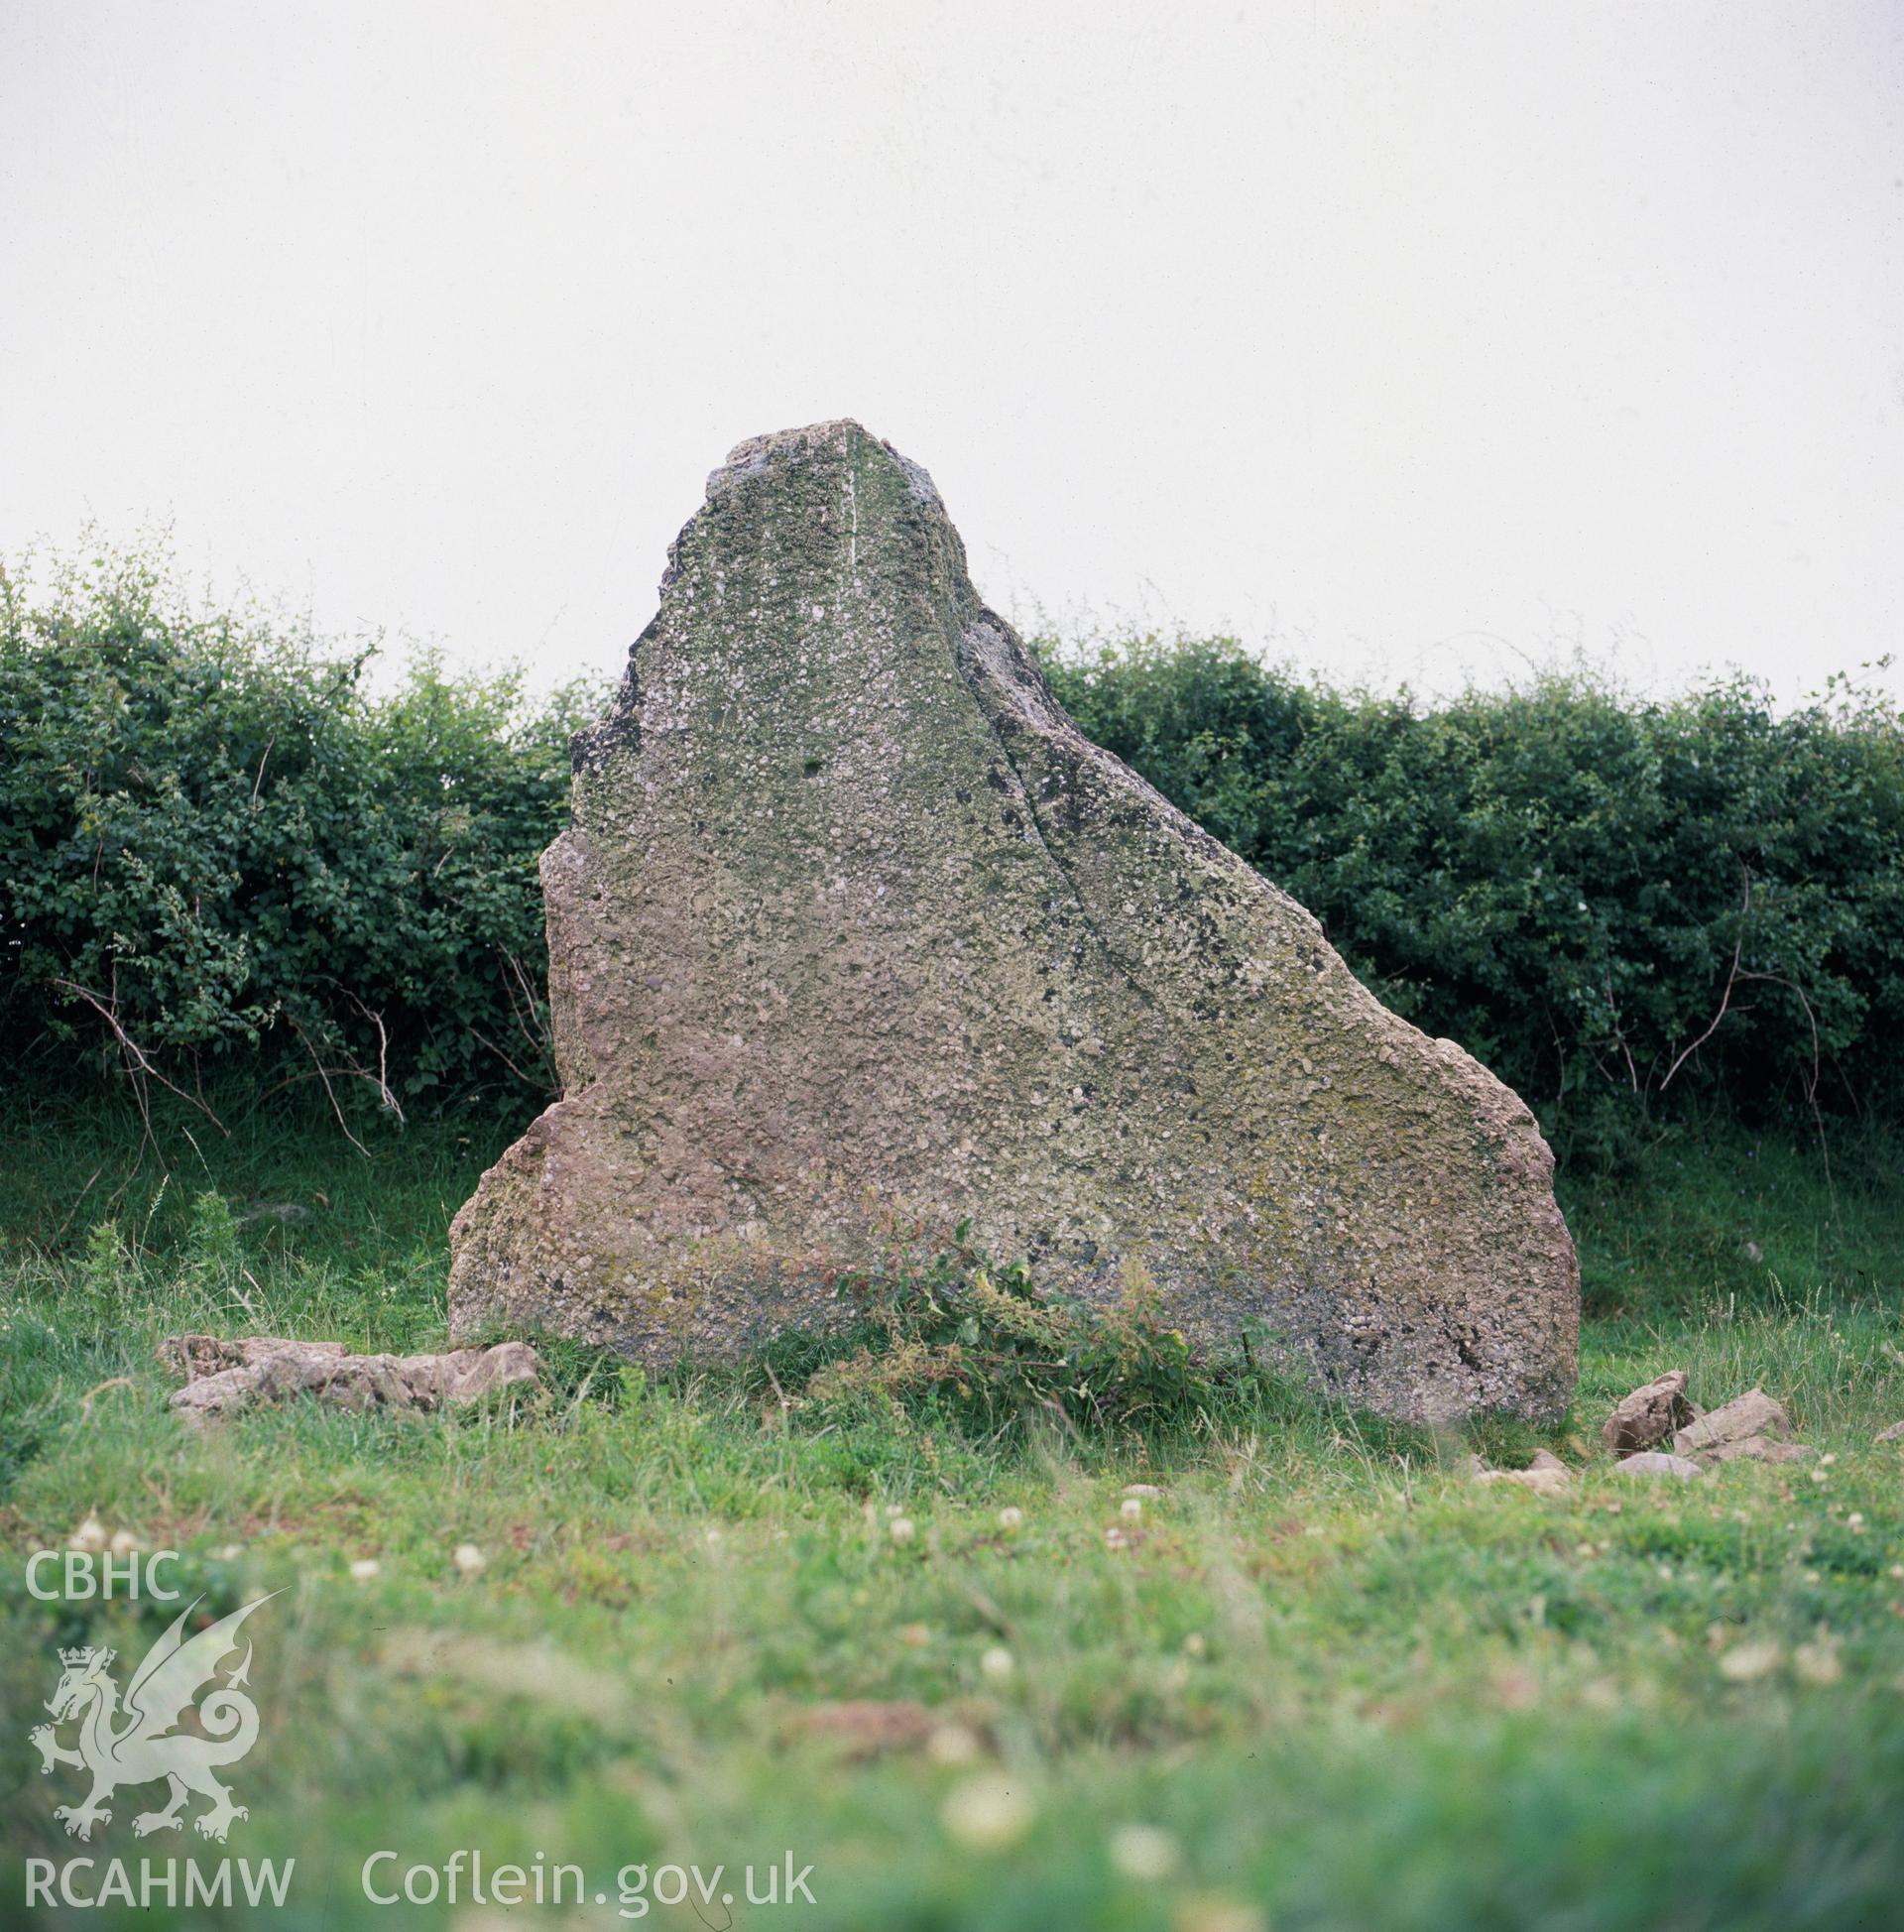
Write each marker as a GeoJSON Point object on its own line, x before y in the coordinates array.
{"type": "Point", "coordinates": [180, 1724]}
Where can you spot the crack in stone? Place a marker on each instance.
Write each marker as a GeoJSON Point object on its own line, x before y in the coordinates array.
{"type": "Point", "coordinates": [1113, 954]}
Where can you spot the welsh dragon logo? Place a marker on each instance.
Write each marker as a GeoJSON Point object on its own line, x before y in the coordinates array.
{"type": "Point", "coordinates": [148, 1740]}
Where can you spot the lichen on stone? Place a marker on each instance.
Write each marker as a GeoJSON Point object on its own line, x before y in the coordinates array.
{"type": "Point", "coordinates": [854, 930]}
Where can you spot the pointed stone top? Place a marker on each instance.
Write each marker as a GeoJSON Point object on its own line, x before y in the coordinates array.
{"type": "Point", "coordinates": [817, 441]}
{"type": "Point", "coordinates": [832, 435]}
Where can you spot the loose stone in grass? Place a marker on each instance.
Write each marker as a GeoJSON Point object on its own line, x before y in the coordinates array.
{"type": "Point", "coordinates": [1754, 1413]}
{"type": "Point", "coordinates": [1758, 1449]}
{"type": "Point", "coordinates": [1648, 1415]}
{"type": "Point", "coordinates": [1655, 1465]}
{"type": "Point", "coordinates": [1895, 1433]}
{"type": "Point", "coordinates": [1550, 1479]}
{"type": "Point", "coordinates": [854, 930]}
{"type": "Point", "coordinates": [282, 1212]}
{"type": "Point", "coordinates": [222, 1377]}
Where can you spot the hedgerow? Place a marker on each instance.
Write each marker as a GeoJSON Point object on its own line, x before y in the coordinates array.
{"type": "Point", "coordinates": [221, 841]}
{"type": "Point", "coordinates": [1625, 907]}
{"type": "Point", "coordinates": [225, 842]}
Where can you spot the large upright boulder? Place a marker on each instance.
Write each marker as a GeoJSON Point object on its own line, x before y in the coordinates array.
{"type": "Point", "coordinates": [854, 932]}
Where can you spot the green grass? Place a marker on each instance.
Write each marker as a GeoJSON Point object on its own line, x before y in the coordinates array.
{"type": "Point", "coordinates": [1355, 1689]}
{"type": "Point", "coordinates": [1736, 1219]}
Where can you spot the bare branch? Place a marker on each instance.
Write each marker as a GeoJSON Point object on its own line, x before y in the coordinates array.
{"type": "Point", "coordinates": [259, 779]}
{"type": "Point", "coordinates": [329, 1090]}
{"type": "Point", "coordinates": [1632, 1072]}
{"type": "Point", "coordinates": [1810, 1085]}
{"type": "Point", "coordinates": [381, 1081]}
{"type": "Point", "coordinates": [75, 1209]}
{"type": "Point", "coordinates": [531, 1023]}
{"type": "Point", "coordinates": [1726, 998]}
{"type": "Point", "coordinates": [529, 1081]}
{"type": "Point", "coordinates": [137, 1063]}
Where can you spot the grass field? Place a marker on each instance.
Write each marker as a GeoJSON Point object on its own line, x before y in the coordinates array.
{"type": "Point", "coordinates": [1323, 1680]}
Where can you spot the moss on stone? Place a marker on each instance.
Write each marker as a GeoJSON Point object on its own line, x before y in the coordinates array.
{"type": "Point", "coordinates": [853, 930]}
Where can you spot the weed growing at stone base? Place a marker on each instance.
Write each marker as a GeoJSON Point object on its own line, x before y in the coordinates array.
{"type": "Point", "coordinates": [945, 1331]}
{"type": "Point", "coordinates": [1308, 1672]}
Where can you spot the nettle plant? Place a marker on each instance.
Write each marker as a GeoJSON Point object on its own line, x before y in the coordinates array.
{"type": "Point", "coordinates": [221, 837]}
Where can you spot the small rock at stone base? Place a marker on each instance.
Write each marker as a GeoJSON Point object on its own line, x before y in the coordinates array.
{"type": "Point", "coordinates": [1542, 1480]}
{"type": "Point", "coordinates": [285, 1212]}
{"type": "Point", "coordinates": [222, 1377]}
{"type": "Point", "coordinates": [1895, 1433]}
{"type": "Point", "coordinates": [1752, 1413]}
{"type": "Point", "coordinates": [1648, 1415]}
{"type": "Point", "coordinates": [1656, 1463]}
{"type": "Point", "coordinates": [1758, 1449]}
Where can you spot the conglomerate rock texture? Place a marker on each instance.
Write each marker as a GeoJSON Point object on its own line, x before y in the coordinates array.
{"type": "Point", "coordinates": [854, 932]}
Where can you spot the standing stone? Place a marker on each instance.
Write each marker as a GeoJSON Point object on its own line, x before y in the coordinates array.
{"type": "Point", "coordinates": [855, 936]}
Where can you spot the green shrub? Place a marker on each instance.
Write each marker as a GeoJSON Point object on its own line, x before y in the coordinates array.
{"type": "Point", "coordinates": [951, 1331]}
{"type": "Point", "coordinates": [221, 841]}
{"type": "Point", "coordinates": [218, 836]}
{"type": "Point", "coordinates": [1575, 885]}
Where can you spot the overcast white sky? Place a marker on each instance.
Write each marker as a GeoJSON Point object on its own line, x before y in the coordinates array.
{"type": "Point", "coordinates": [1412, 341]}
